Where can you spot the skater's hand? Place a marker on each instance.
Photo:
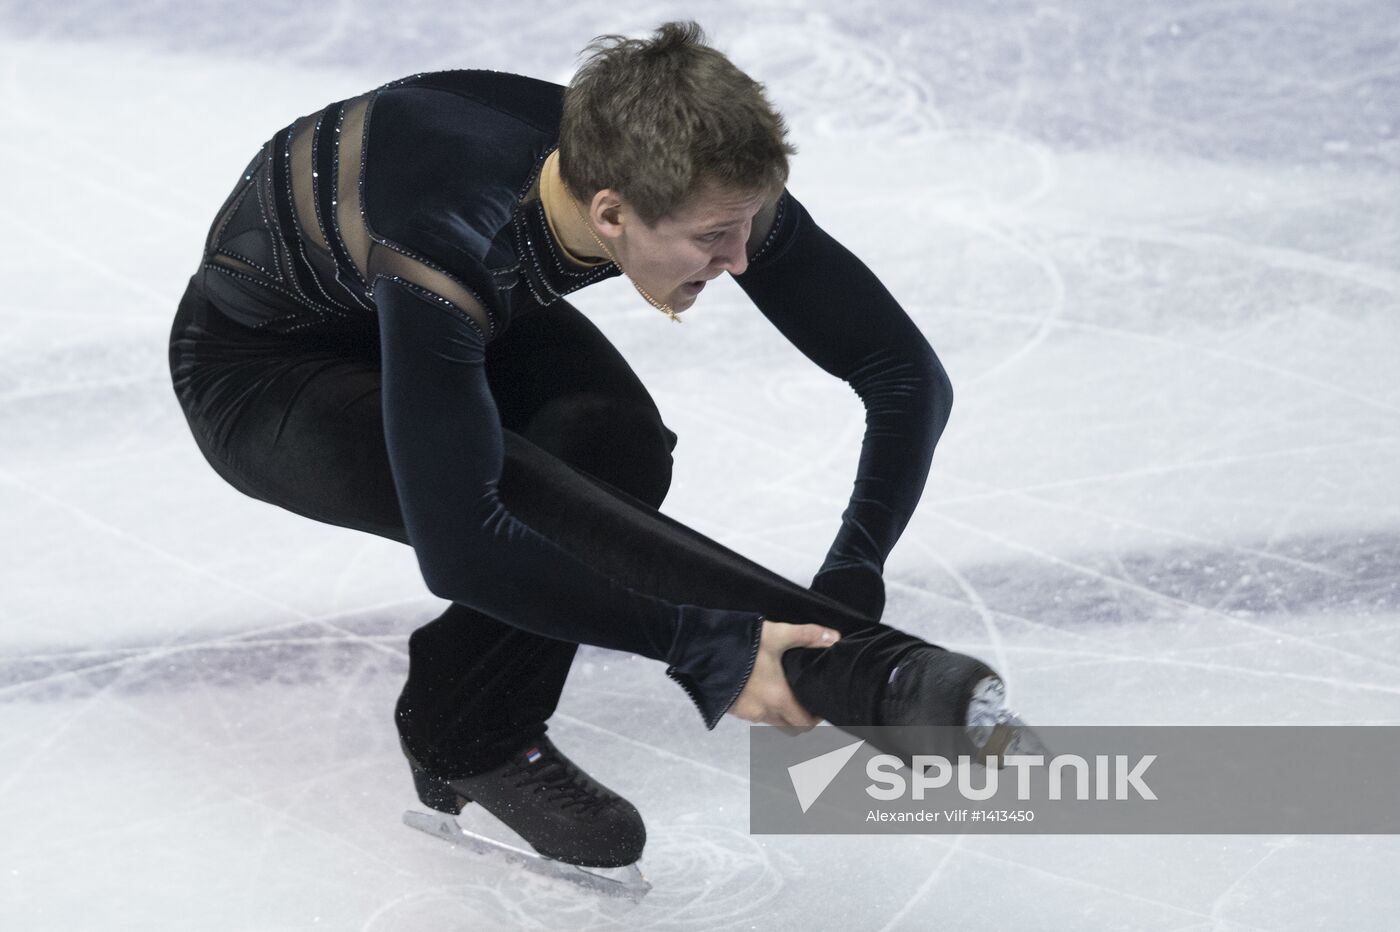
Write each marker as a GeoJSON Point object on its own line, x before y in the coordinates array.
{"type": "Point", "coordinates": [766, 698]}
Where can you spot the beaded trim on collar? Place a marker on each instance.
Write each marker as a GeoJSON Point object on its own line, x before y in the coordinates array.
{"type": "Point", "coordinates": [547, 273]}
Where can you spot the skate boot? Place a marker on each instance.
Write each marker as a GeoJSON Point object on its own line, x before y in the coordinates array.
{"type": "Point", "coordinates": [546, 799]}
{"type": "Point", "coordinates": [943, 703]}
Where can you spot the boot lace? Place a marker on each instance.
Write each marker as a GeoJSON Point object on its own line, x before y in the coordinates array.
{"type": "Point", "coordinates": [561, 781]}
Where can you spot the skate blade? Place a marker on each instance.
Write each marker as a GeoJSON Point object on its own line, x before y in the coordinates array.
{"type": "Point", "coordinates": [1010, 736]}
{"type": "Point", "coordinates": [629, 882]}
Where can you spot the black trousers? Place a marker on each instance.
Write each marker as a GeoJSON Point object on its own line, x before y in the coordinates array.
{"type": "Point", "coordinates": [295, 421]}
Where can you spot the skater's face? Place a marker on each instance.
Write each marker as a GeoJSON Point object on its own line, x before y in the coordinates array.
{"type": "Point", "coordinates": [673, 258]}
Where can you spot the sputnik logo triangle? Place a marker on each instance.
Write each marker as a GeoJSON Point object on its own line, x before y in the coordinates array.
{"type": "Point", "coordinates": [811, 777]}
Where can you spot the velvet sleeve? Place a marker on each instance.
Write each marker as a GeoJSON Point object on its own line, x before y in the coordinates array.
{"type": "Point", "coordinates": [833, 309]}
{"type": "Point", "coordinates": [446, 452]}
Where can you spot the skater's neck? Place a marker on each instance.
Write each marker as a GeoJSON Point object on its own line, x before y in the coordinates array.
{"type": "Point", "coordinates": [562, 211]}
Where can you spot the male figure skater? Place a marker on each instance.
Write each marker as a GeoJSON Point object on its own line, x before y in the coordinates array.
{"type": "Point", "coordinates": [377, 338]}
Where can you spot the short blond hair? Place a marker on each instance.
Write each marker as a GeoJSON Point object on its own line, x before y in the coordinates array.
{"type": "Point", "coordinates": [656, 119]}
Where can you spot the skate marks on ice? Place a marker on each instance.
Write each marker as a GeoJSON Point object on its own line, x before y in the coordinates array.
{"type": "Point", "coordinates": [1290, 584]}
{"type": "Point", "coordinates": [1248, 78]}
{"type": "Point", "coordinates": [1291, 630]}
{"type": "Point", "coordinates": [296, 654]}
{"type": "Point", "coordinates": [1337, 573]}
{"type": "Point", "coordinates": [696, 876]}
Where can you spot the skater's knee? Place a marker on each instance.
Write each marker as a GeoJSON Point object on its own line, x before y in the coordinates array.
{"type": "Point", "coordinates": [620, 442]}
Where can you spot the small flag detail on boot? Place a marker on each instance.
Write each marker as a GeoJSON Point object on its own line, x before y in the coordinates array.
{"type": "Point", "coordinates": [532, 755]}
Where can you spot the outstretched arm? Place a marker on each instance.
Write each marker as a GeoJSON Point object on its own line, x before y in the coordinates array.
{"type": "Point", "coordinates": [838, 314]}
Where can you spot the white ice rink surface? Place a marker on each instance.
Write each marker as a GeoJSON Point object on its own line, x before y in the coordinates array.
{"type": "Point", "coordinates": [1156, 250]}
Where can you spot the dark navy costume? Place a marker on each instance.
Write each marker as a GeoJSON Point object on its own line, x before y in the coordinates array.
{"type": "Point", "coordinates": [377, 339]}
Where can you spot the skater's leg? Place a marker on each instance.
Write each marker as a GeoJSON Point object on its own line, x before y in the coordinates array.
{"type": "Point", "coordinates": [642, 548]}
{"type": "Point", "coordinates": [285, 421]}
{"type": "Point", "coordinates": [476, 688]}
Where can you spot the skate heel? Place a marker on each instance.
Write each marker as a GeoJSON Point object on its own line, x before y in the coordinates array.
{"type": "Point", "coordinates": [434, 792]}
{"type": "Point", "coordinates": [437, 794]}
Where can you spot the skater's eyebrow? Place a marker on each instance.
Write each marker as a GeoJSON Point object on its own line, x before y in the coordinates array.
{"type": "Point", "coordinates": [726, 223]}
{"type": "Point", "coordinates": [730, 215]}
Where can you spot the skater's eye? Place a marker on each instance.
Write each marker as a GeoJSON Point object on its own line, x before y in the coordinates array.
{"type": "Point", "coordinates": [711, 237]}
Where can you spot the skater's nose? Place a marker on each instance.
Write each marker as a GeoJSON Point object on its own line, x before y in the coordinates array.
{"type": "Point", "coordinates": [731, 256]}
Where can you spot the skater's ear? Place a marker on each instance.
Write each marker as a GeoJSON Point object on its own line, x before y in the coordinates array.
{"type": "Point", "coordinates": [605, 211]}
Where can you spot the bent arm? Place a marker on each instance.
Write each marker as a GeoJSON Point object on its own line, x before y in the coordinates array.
{"type": "Point", "coordinates": [837, 313]}
{"type": "Point", "coordinates": [446, 451]}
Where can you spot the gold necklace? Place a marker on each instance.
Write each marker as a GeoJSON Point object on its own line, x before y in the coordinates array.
{"type": "Point", "coordinates": [663, 308]}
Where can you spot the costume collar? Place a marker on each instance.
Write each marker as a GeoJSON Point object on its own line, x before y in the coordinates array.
{"type": "Point", "coordinates": [555, 199]}
{"type": "Point", "coordinates": [549, 271]}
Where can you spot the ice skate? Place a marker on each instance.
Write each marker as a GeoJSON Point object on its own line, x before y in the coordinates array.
{"type": "Point", "coordinates": [578, 828]}
{"type": "Point", "coordinates": [938, 702]}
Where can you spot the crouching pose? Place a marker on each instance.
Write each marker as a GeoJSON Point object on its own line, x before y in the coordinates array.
{"type": "Point", "coordinates": [378, 338]}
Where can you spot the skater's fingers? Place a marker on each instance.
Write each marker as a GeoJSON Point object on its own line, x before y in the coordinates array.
{"type": "Point", "coordinates": [807, 636]}
{"type": "Point", "coordinates": [799, 727]}
{"type": "Point", "coordinates": [794, 716]}
{"type": "Point", "coordinates": [791, 719]}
